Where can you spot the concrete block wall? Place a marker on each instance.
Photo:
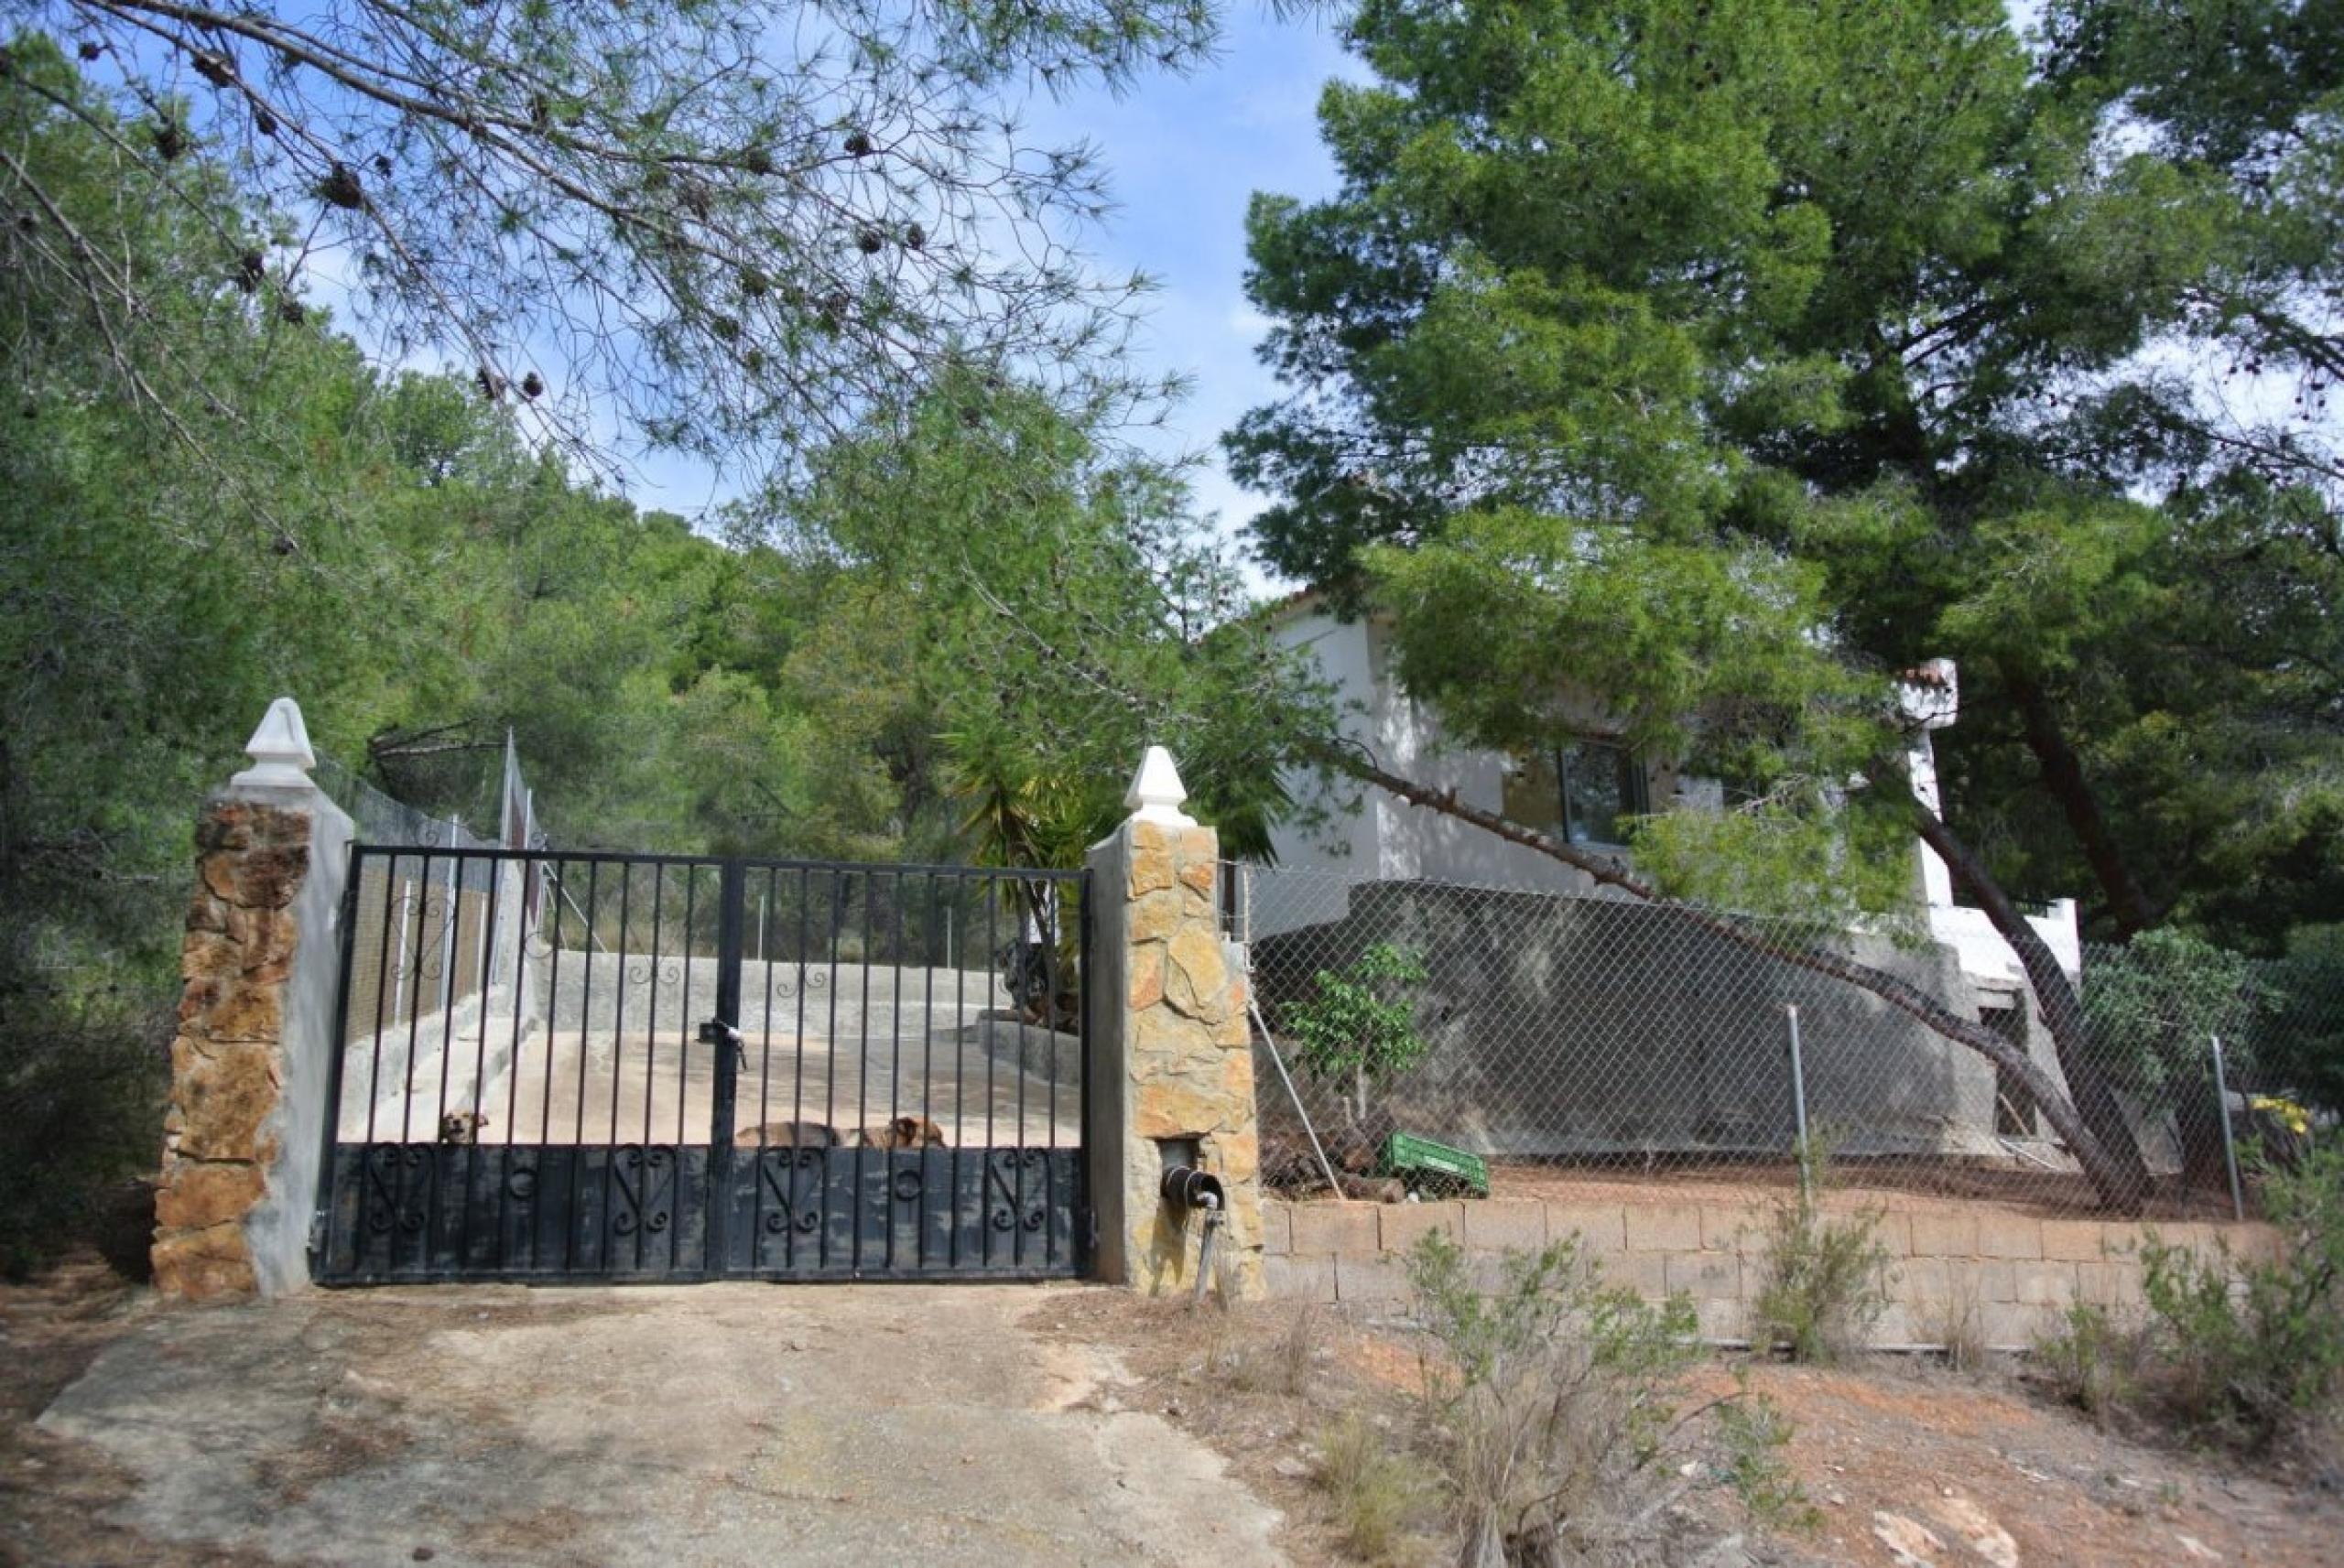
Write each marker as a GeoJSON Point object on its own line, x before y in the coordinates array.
{"type": "Point", "coordinates": [2010, 1275]}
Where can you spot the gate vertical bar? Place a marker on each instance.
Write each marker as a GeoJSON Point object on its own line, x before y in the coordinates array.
{"type": "Point", "coordinates": [733, 895]}
{"type": "Point", "coordinates": [1086, 1222]}
{"type": "Point", "coordinates": [321, 1235]}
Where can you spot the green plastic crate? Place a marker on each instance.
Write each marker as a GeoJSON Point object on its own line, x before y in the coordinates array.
{"type": "Point", "coordinates": [1421, 1162]}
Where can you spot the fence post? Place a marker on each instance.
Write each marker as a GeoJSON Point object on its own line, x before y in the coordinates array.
{"type": "Point", "coordinates": [243, 1130]}
{"type": "Point", "coordinates": [2230, 1147]}
{"type": "Point", "coordinates": [1171, 1065]}
{"type": "Point", "coordinates": [452, 918]}
{"type": "Point", "coordinates": [1799, 1100]}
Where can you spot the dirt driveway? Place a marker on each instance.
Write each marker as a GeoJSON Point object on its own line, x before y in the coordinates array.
{"type": "Point", "coordinates": [714, 1425]}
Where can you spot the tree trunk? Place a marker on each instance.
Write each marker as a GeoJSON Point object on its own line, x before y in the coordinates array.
{"type": "Point", "coordinates": [2112, 1176]}
{"type": "Point", "coordinates": [2062, 1009]}
{"type": "Point", "coordinates": [2062, 775]}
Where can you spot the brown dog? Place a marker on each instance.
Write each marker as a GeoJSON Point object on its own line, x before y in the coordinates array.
{"type": "Point", "coordinates": [791, 1135]}
{"type": "Point", "coordinates": [460, 1128]}
{"type": "Point", "coordinates": [903, 1132]}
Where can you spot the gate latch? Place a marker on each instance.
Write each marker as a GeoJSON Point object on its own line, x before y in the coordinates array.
{"type": "Point", "coordinates": [716, 1032]}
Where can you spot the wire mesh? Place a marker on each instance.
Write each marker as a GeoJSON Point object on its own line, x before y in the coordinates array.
{"type": "Point", "coordinates": [436, 936]}
{"type": "Point", "coordinates": [1593, 1046]}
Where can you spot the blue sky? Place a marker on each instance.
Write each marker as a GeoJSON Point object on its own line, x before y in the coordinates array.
{"type": "Point", "coordinates": [1184, 154]}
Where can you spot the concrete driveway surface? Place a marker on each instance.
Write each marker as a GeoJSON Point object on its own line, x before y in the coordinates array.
{"type": "Point", "coordinates": [703, 1425]}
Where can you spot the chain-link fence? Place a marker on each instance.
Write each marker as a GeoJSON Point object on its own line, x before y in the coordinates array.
{"type": "Point", "coordinates": [1583, 1043]}
{"type": "Point", "coordinates": [434, 932]}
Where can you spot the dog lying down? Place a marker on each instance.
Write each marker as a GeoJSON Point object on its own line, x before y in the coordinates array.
{"type": "Point", "coordinates": [903, 1132]}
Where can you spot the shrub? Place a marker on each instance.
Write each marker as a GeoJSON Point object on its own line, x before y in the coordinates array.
{"type": "Point", "coordinates": [1826, 1279]}
{"type": "Point", "coordinates": [1243, 1359]}
{"type": "Point", "coordinates": [81, 1098]}
{"type": "Point", "coordinates": [1957, 1323]}
{"type": "Point", "coordinates": [2093, 1362]}
{"type": "Point", "coordinates": [1375, 1493]}
{"type": "Point", "coordinates": [2245, 1354]}
{"type": "Point", "coordinates": [2249, 1353]}
{"type": "Point", "coordinates": [1547, 1398]}
{"type": "Point", "coordinates": [1754, 1432]}
{"type": "Point", "coordinates": [1358, 1025]}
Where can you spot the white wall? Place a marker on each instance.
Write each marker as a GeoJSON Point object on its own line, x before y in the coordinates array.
{"type": "Point", "coordinates": [1986, 957]}
{"type": "Point", "coordinates": [1387, 839]}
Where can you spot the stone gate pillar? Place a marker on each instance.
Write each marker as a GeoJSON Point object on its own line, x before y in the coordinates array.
{"type": "Point", "coordinates": [244, 1128]}
{"type": "Point", "coordinates": [1171, 1064]}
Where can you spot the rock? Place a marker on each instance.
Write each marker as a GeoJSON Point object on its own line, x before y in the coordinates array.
{"type": "Point", "coordinates": [1978, 1531]}
{"type": "Point", "coordinates": [1151, 867]}
{"type": "Point", "coordinates": [1292, 1468]}
{"type": "Point", "coordinates": [197, 1195]}
{"type": "Point", "coordinates": [1732, 1551]}
{"type": "Point", "coordinates": [2197, 1548]}
{"type": "Point", "coordinates": [1911, 1543]}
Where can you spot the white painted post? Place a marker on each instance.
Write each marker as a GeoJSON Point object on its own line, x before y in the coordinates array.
{"type": "Point", "coordinates": [2229, 1148]}
{"type": "Point", "coordinates": [1798, 1102]}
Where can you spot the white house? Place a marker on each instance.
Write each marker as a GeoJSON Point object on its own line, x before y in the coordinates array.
{"type": "Point", "coordinates": [1582, 790]}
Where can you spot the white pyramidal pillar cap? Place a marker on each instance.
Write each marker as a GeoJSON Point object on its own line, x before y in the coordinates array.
{"type": "Point", "coordinates": [1157, 792]}
{"type": "Point", "coordinates": [279, 749]}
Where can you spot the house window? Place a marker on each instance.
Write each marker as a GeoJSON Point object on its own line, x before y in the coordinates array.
{"type": "Point", "coordinates": [1583, 793]}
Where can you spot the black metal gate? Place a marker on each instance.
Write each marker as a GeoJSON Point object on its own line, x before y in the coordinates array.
{"type": "Point", "coordinates": [662, 1068]}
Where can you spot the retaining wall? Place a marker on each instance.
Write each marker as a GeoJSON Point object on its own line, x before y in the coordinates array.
{"type": "Point", "coordinates": [2016, 1274]}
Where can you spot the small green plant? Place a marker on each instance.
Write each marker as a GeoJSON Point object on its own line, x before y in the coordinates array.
{"type": "Point", "coordinates": [81, 1087]}
{"type": "Point", "coordinates": [2092, 1362]}
{"type": "Point", "coordinates": [1241, 1358]}
{"type": "Point", "coordinates": [1957, 1323]}
{"type": "Point", "coordinates": [1375, 1493]}
{"type": "Point", "coordinates": [1755, 1432]}
{"type": "Point", "coordinates": [1358, 1025]}
{"type": "Point", "coordinates": [2249, 1352]}
{"type": "Point", "coordinates": [1547, 1398]}
{"type": "Point", "coordinates": [1825, 1278]}
{"type": "Point", "coordinates": [2243, 1353]}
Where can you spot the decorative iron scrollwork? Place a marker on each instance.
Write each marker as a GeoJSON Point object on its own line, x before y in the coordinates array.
{"type": "Point", "coordinates": [392, 1201]}
{"type": "Point", "coordinates": [1004, 1173]}
{"type": "Point", "coordinates": [796, 1201]}
{"type": "Point", "coordinates": [647, 1194]}
{"type": "Point", "coordinates": [655, 972]}
{"type": "Point", "coordinates": [807, 979]}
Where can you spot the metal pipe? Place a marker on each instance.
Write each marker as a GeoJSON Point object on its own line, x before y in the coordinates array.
{"type": "Point", "coordinates": [1270, 1040]}
{"type": "Point", "coordinates": [1798, 1103]}
{"type": "Point", "coordinates": [1204, 1255]}
{"type": "Point", "coordinates": [2229, 1146]}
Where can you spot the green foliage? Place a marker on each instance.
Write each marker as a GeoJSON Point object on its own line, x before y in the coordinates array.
{"type": "Point", "coordinates": [1359, 1024]}
{"type": "Point", "coordinates": [1375, 1493]}
{"type": "Point", "coordinates": [1550, 1397]}
{"type": "Point", "coordinates": [1677, 372]}
{"type": "Point", "coordinates": [2300, 1041]}
{"type": "Point", "coordinates": [2156, 1005]}
{"type": "Point", "coordinates": [1825, 1278]}
{"type": "Point", "coordinates": [80, 1084]}
{"type": "Point", "coordinates": [711, 226]}
{"type": "Point", "coordinates": [1755, 1433]}
{"type": "Point", "coordinates": [2245, 1352]}
{"type": "Point", "coordinates": [1056, 611]}
{"type": "Point", "coordinates": [2090, 1361]}
{"type": "Point", "coordinates": [2249, 1351]}
{"type": "Point", "coordinates": [397, 552]}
